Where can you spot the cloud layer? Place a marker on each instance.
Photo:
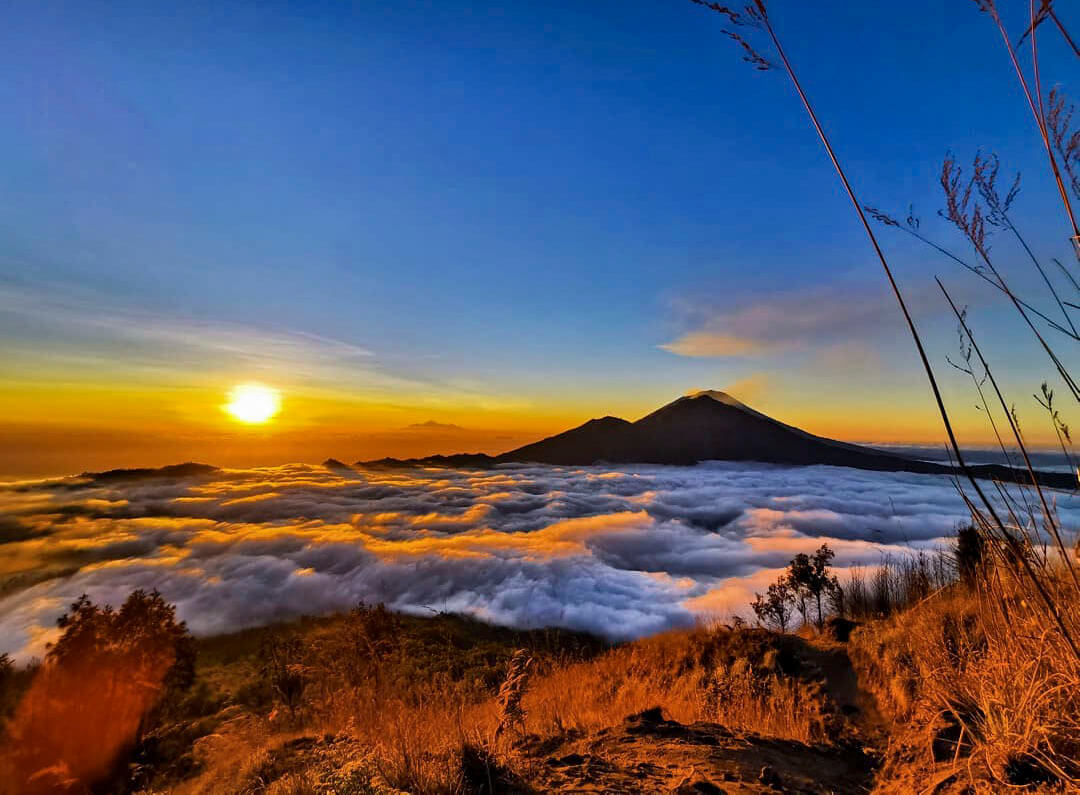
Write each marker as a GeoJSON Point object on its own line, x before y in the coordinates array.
{"type": "Point", "coordinates": [623, 552]}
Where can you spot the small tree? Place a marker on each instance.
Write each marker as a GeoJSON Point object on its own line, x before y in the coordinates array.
{"type": "Point", "coordinates": [969, 553]}
{"type": "Point", "coordinates": [106, 678]}
{"type": "Point", "coordinates": [373, 634]}
{"type": "Point", "coordinates": [822, 583]}
{"type": "Point", "coordinates": [809, 577]}
{"type": "Point", "coordinates": [776, 606]}
{"type": "Point", "coordinates": [836, 598]}
{"type": "Point", "coordinates": [8, 686]}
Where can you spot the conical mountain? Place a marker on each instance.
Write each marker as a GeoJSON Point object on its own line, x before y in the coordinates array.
{"type": "Point", "coordinates": [704, 426]}
{"type": "Point", "coordinates": [714, 426]}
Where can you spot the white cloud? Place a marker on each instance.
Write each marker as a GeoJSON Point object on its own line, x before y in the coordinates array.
{"type": "Point", "coordinates": [623, 552]}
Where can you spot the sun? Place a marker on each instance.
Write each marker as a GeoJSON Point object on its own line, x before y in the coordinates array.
{"type": "Point", "coordinates": [253, 403]}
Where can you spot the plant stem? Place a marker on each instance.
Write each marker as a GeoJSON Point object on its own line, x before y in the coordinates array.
{"type": "Point", "coordinates": [1040, 122]}
{"type": "Point", "coordinates": [884, 264]}
{"type": "Point", "coordinates": [941, 249]}
{"type": "Point", "coordinates": [914, 331]}
{"type": "Point", "coordinates": [1048, 516]}
{"type": "Point", "coordinates": [1064, 33]}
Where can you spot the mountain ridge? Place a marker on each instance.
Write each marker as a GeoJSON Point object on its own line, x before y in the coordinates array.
{"type": "Point", "coordinates": [712, 426]}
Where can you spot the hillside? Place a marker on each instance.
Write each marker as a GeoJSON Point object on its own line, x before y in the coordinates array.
{"type": "Point", "coordinates": [937, 697]}
{"type": "Point", "coordinates": [391, 723]}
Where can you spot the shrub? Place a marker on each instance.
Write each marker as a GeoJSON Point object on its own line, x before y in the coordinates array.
{"type": "Point", "coordinates": [283, 671]}
{"type": "Point", "coordinates": [101, 686]}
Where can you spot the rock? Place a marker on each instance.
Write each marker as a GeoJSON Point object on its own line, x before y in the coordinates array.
{"type": "Point", "coordinates": [839, 629]}
{"type": "Point", "coordinates": [700, 787]}
{"type": "Point", "coordinates": [652, 715]}
{"type": "Point", "coordinates": [696, 784]}
{"type": "Point", "coordinates": [55, 779]}
{"type": "Point", "coordinates": [770, 778]}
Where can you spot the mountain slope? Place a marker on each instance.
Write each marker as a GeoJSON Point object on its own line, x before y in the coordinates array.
{"type": "Point", "coordinates": [713, 426]}
{"type": "Point", "coordinates": [701, 427]}
{"type": "Point", "coordinates": [605, 439]}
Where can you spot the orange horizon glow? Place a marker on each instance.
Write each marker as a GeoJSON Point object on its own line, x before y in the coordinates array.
{"type": "Point", "coordinates": [127, 425]}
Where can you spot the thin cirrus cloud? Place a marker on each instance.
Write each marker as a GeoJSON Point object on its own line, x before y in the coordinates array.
{"type": "Point", "coordinates": [89, 336]}
{"type": "Point", "coordinates": [622, 552]}
{"type": "Point", "coordinates": [709, 344]}
{"type": "Point", "coordinates": [86, 318]}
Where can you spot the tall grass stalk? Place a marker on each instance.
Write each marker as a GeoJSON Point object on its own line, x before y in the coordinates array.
{"type": "Point", "coordinates": [990, 8]}
{"type": "Point", "coordinates": [969, 218]}
{"type": "Point", "coordinates": [1050, 518]}
{"type": "Point", "coordinates": [911, 227]}
{"type": "Point", "coordinates": [984, 513]}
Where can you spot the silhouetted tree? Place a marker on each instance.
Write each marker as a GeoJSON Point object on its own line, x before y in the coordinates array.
{"type": "Point", "coordinates": [969, 553]}
{"type": "Point", "coordinates": [775, 607]}
{"type": "Point", "coordinates": [808, 576]}
{"type": "Point", "coordinates": [7, 679]}
{"type": "Point", "coordinates": [836, 597]}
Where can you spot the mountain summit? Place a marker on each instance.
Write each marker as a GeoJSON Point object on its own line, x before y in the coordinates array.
{"type": "Point", "coordinates": [714, 426]}
{"type": "Point", "coordinates": [704, 426]}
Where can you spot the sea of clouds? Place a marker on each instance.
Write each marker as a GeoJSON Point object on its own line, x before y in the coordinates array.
{"type": "Point", "coordinates": [623, 552]}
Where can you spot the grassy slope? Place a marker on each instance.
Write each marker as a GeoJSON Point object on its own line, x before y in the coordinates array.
{"type": "Point", "coordinates": [231, 732]}
{"type": "Point", "coordinates": [732, 701]}
{"type": "Point", "coordinates": [939, 696]}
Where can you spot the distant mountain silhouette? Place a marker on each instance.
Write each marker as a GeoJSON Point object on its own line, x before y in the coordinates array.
{"type": "Point", "coordinates": [712, 426]}
{"type": "Point", "coordinates": [186, 470]}
{"type": "Point", "coordinates": [706, 426]}
{"type": "Point", "coordinates": [455, 460]}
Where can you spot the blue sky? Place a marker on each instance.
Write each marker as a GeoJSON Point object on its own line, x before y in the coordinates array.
{"type": "Point", "coordinates": [520, 201]}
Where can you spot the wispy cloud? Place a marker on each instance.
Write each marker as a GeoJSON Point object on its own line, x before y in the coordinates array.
{"type": "Point", "coordinates": [82, 333]}
{"type": "Point", "coordinates": [83, 312]}
{"type": "Point", "coordinates": [716, 344]}
{"type": "Point", "coordinates": [816, 318]}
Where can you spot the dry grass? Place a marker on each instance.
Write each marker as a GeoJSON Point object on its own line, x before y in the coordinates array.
{"type": "Point", "coordinates": [971, 680]}
{"type": "Point", "coordinates": [987, 682]}
{"type": "Point", "coordinates": [748, 679]}
{"type": "Point", "coordinates": [420, 739]}
{"type": "Point", "coordinates": [439, 736]}
{"type": "Point", "coordinates": [978, 682]}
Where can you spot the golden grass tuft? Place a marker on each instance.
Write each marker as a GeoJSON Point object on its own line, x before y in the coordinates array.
{"type": "Point", "coordinates": [977, 682]}
{"type": "Point", "coordinates": [748, 679]}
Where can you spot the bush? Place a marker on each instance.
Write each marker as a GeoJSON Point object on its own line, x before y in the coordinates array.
{"type": "Point", "coordinates": [107, 678]}
{"type": "Point", "coordinates": [284, 671]}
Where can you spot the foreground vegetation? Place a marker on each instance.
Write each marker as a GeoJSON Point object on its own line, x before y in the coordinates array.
{"type": "Point", "coordinates": [958, 673]}
{"type": "Point", "coordinates": [956, 684]}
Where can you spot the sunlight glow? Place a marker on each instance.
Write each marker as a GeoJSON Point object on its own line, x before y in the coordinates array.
{"type": "Point", "coordinates": [253, 403]}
